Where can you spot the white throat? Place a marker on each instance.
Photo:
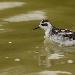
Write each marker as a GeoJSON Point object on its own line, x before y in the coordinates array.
{"type": "Point", "coordinates": [48, 31]}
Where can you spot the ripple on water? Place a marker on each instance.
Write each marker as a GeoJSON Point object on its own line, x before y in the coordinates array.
{"type": "Point", "coordinates": [5, 5]}
{"type": "Point", "coordinates": [50, 73]}
{"type": "Point", "coordinates": [33, 15]}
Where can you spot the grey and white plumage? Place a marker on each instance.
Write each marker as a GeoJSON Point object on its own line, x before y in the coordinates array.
{"type": "Point", "coordinates": [61, 36]}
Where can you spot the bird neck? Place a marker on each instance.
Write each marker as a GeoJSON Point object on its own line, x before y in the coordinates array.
{"type": "Point", "coordinates": [48, 32]}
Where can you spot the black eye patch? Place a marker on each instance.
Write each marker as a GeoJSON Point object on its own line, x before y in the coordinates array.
{"type": "Point", "coordinates": [44, 24]}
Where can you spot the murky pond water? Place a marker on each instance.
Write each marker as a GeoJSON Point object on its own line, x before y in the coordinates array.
{"type": "Point", "coordinates": [24, 51]}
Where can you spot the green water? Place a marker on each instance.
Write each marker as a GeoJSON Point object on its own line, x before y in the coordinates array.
{"type": "Point", "coordinates": [25, 41]}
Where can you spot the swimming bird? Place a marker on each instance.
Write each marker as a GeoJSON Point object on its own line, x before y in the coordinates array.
{"type": "Point", "coordinates": [63, 37]}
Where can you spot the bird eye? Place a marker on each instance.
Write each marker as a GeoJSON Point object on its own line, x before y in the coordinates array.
{"type": "Point", "coordinates": [45, 24]}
